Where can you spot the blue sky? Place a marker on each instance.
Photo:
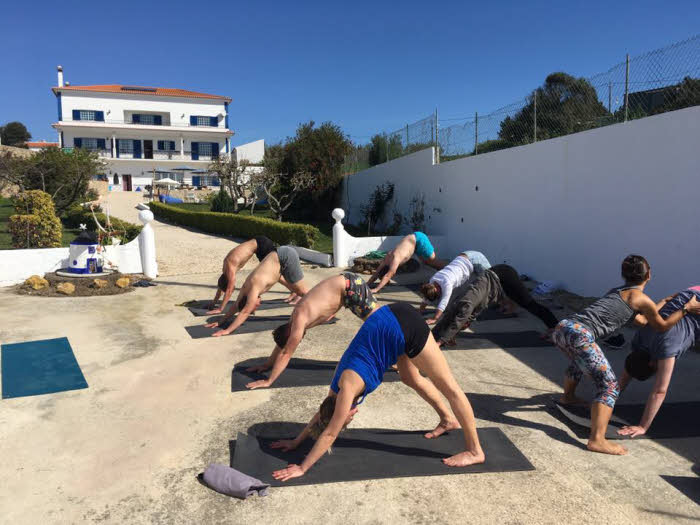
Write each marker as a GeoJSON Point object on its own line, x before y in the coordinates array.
{"type": "Point", "coordinates": [367, 66]}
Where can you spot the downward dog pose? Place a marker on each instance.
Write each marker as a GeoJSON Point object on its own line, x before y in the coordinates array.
{"type": "Point", "coordinates": [657, 353]}
{"type": "Point", "coordinates": [417, 242]}
{"type": "Point", "coordinates": [315, 308]}
{"type": "Point", "coordinates": [481, 292]}
{"type": "Point", "coordinates": [577, 336]}
{"type": "Point", "coordinates": [260, 280]}
{"type": "Point", "coordinates": [516, 292]}
{"type": "Point", "coordinates": [444, 282]}
{"type": "Point", "coordinates": [234, 261]}
{"type": "Point", "coordinates": [393, 334]}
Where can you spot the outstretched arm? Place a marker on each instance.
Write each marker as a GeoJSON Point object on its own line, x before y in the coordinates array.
{"type": "Point", "coordinates": [655, 400]}
{"type": "Point", "coordinates": [291, 444]}
{"type": "Point", "coordinates": [281, 359]}
{"type": "Point", "coordinates": [392, 265]}
{"type": "Point", "coordinates": [231, 275]}
{"type": "Point", "coordinates": [241, 318]}
{"type": "Point", "coordinates": [215, 300]}
{"type": "Point", "coordinates": [648, 309]}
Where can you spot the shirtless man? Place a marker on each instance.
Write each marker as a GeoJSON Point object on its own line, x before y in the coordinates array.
{"type": "Point", "coordinates": [315, 308]}
{"type": "Point", "coordinates": [281, 265]}
{"type": "Point", "coordinates": [234, 261]}
{"type": "Point", "coordinates": [416, 242]}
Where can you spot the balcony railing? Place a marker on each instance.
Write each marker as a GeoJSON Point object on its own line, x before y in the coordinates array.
{"type": "Point", "coordinates": [129, 121]}
{"type": "Point", "coordinates": [157, 155]}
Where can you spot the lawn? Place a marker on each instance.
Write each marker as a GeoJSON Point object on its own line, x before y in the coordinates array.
{"type": "Point", "coordinates": [323, 244]}
{"type": "Point", "coordinates": [6, 209]}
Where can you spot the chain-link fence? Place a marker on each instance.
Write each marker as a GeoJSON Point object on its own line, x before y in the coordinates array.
{"type": "Point", "coordinates": [658, 81]}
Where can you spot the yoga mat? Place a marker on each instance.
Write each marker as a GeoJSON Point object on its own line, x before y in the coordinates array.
{"type": "Point", "coordinates": [200, 309]}
{"type": "Point", "coordinates": [363, 454]}
{"type": "Point", "coordinates": [524, 339]}
{"type": "Point", "coordinates": [491, 314]}
{"type": "Point", "coordinates": [299, 372]}
{"type": "Point", "coordinates": [40, 367]}
{"type": "Point", "coordinates": [689, 486]}
{"type": "Point", "coordinates": [674, 420]}
{"type": "Point", "coordinates": [253, 324]}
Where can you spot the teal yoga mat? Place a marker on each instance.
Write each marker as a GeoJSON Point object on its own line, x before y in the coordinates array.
{"type": "Point", "coordinates": [40, 367]}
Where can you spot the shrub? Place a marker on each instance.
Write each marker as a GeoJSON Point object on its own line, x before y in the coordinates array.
{"type": "Point", "coordinates": [303, 235]}
{"type": "Point", "coordinates": [222, 202]}
{"type": "Point", "coordinates": [36, 224]}
{"type": "Point", "coordinates": [77, 215]}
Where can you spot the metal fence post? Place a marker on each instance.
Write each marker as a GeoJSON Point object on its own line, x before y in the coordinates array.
{"type": "Point", "coordinates": [437, 137]}
{"type": "Point", "coordinates": [627, 84]}
{"type": "Point", "coordinates": [534, 120]}
{"type": "Point", "coordinates": [407, 143]}
{"type": "Point", "coordinates": [387, 147]}
{"type": "Point", "coordinates": [476, 132]}
{"type": "Point", "coordinates": [610, 96]}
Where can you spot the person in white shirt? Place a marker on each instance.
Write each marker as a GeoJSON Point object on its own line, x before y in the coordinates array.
{"type": "Point", "coordinates": [442, 284]}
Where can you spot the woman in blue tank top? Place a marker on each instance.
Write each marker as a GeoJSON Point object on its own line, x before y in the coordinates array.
{"type": "Point", "coordinates": [393, 334]}
{"type": "Point", "coordinates": [577, 336]}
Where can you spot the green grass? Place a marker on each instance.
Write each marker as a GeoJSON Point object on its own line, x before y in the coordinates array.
{"type": "Point", "coordinates": [6, 209]}
{"type": "Point", "coordinates": [323, 244]}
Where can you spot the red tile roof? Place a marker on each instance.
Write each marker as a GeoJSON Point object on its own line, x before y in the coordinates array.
{"type": "Point", "coordinates": [42, 144]}
{"type": "Point", "coordinates": [140, 90]}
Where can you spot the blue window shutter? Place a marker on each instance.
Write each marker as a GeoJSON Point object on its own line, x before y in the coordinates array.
{"type": "Point", "coordinates": [135, 118]}
{"type": "Point", "coordinates": [214, 149]}
{"type": "Point", "coordinates": [161, 145]}
{"type": "Point", "coordinates": [100, 143]}
{"type": "Point", "coordinates": [226, 113]}
{"type": "Point", "coordinates": [215, 181]}
{"type": "Point", "coordinates": [195, 180]}
{"type": "Point", "coordinates": [116, 144]}
{"type": "Point", "coordinates": [76, 114]}
{"type": "Point", "coordinates": [157, 120]}
{"type": "Point", "coordinates": [172, 145]}
{"type": "Point", "coordinates": [193, 120]}
{"type": "Point", "coordinates": [78, 143]}
{"type": "Point", "coordinates": [60, 110]}
{"type": "Point", "coordinates": [100, 116]}
{"type": "Point", "coordinates": [137, 149]}
{"type": "Point", "coordinates": [213, 122]}
{"type": "Point", "coordinates": [195, 151]}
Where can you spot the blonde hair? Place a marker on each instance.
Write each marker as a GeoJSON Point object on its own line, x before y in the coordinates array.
{"type": "Point", "coordinates": [325, 414]}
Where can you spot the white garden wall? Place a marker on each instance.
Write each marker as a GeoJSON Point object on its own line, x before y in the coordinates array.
{"type": "Point", "coordinates": [567, 209]}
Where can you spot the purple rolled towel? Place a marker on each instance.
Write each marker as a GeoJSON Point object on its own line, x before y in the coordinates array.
{"type": "Point", "coordinates": [232, 482]}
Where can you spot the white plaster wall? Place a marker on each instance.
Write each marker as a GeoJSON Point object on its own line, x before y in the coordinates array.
{"type": "Point", "coordinates": [116, 106]}
{"type": "Point", "coordinates": [567, 209]}
{"type": "Point", "coordinates": [252, 151]}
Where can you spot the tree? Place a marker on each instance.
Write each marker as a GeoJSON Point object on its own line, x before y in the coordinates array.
{"type": "Point", "coordinates": [280, 188]}
{"type": "Point", "coordinates": [565, 104]}
{"type": "Point", "coordinates": [383, 147]}
{"type": "Point", "coordinates": [14, 134]}
{"type": "Point", "coordinates": [233, 176]}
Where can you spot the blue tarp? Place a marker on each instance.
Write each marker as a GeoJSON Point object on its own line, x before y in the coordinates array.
{"type": "Point", "coordinates": [167, 199]}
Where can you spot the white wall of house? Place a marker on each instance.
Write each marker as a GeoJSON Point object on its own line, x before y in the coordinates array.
{"type": "Point", "coordinates": [253, 152]}
{"type": "Point", "coordinates": [117, 107]}
{"type": "Point", "coordinates": [567, 209]}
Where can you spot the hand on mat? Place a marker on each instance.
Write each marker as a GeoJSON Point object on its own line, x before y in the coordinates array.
{"type": "Point", "coordinates": [215, 324]}
{"type": "Point", "coordinates": [292, 471]}
{"type": "Point", "coordinates": [260, 383]}
{"type": "Point", "coordinates": [214, 311]}
{"type": "Point", "coordinates": [632, 431]}
{"type": "Point", "coordinates": [285, 444]}
{"type": "Point", "coordinates": [220, 333]}
{"type": "Point", "coordinates": [431, 321]}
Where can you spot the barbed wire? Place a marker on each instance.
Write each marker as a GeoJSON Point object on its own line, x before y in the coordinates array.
{"type": "Point", "coordinates": [657, 81]}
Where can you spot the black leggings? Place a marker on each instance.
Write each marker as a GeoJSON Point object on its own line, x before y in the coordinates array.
{"type": "Point", "coordinates": [516, 291]}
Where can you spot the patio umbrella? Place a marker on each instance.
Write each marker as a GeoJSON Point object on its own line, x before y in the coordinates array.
{"type": "Point", "coordinates": [166, 182]}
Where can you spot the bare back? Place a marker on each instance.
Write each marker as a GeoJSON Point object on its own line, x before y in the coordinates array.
{"type": "Point", "coordinates": [266, 274]}
{"type": "Point", "coordinates": [321, 303]}
{"type": "Point", "coordinates": [240, 255]}
{"type": "Point", "coordinates": [405, 249]}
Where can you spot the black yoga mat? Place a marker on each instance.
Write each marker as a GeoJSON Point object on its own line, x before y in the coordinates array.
{"type": "Point", "coordinates": [362, 454]}
{"type": "Point", "coordinates": [689, 486]}
{"type": "Point", "coordinates": [674, 420]}
{"type": "Point", "coordinates": [526, 339]}
{"type": "Point", "coordinates": [492, 314]}
{"type": "Point", "coordinates": [299, 372]}
{"type": "Point", "coordinates": [253, 324]}
{"type": "Point", "coordinates": [200, 309]}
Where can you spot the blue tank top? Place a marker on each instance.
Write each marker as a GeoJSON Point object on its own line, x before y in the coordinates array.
{"type": "Point", "coordinates": [376, 347]}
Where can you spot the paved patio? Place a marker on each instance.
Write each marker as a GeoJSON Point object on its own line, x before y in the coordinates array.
{"type": "Point", "coordinates": [159, 409]}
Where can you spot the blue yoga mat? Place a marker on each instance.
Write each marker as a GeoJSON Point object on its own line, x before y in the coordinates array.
{"type": "Point", "coordinates": [40, 367]}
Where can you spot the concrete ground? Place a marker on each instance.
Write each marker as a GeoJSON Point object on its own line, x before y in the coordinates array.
{"type": "Point", "coordinates": [159, 409]}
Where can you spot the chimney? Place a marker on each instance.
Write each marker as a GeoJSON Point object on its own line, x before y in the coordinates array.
{"type": "Point", "coordinates": [60, 76]}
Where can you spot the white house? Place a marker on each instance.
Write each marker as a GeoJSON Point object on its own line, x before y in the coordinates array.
{"type": "Point", "coordinates": [144, 132]}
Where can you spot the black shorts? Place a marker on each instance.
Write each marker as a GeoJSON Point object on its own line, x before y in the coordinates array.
{"type": "Point", "coordinates": [265, 246]}
{"type": "Point", "coordinates": [415, 329]}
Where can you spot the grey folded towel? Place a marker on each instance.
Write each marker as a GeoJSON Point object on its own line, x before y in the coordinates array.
{"type": "Point", "coordinates": [232, 482]}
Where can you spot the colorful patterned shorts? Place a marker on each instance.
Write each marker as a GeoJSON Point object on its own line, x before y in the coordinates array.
{"type": "Point", "coordinates": [358, 297]}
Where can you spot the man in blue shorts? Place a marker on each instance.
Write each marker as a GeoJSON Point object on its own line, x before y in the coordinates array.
{"type": "Point", "coordinates": [656, 353]}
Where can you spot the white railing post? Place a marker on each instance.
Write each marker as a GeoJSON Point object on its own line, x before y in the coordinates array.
{"type": "Point", "coordinates": [340, 245]}
{"type": "Point", "coordinates": [147, 245]}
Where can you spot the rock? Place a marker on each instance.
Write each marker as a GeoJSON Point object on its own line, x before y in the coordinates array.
{"type": "Point", "coordinates": [65, 288]}
{"type": "Point", "coordinates": [99, 283]}
{"type": "Point", "coordinates": [36, 282]}
{"type": "Point", "coordinates": [123, 282]}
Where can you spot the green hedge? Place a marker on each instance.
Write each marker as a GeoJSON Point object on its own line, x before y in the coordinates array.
{"type": "Point", "coordinates": [77, 215]}
{"type": "Point", "coordinates": [303, 235]}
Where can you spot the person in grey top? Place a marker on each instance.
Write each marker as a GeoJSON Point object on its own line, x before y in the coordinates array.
{"type": "Point", "coordinates": [656, 353]}
{"type": "Point", "coordinates": [291, 272]}
{"type": "Point", "coordinates": [577, 336]}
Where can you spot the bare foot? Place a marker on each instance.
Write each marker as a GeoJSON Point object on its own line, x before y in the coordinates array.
{"type": "Point", "coordinates": [464, 459]}
{"type": "Point", "coordinates": [606, 447]}
{"type": "Point", "coordinates": [441, 429]}
{"type": "Point", "coordinates": [572, 400]}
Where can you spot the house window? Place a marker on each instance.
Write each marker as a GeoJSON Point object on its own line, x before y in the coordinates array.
{"type": "Point", "coordinates": [205, 149]}
{"type": "Point", "coordinates": [203, 121]}
{"type": "Point", "coordinates": [90, 144]}
{"type": "Point", "coordinates": [87, 115]}
{"type": "Point", "coordinates": [126, 146]}
{"type": "Point", "coordinates": [148, 119]}
{"type": "Point", "coordinates": [116, 179]}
